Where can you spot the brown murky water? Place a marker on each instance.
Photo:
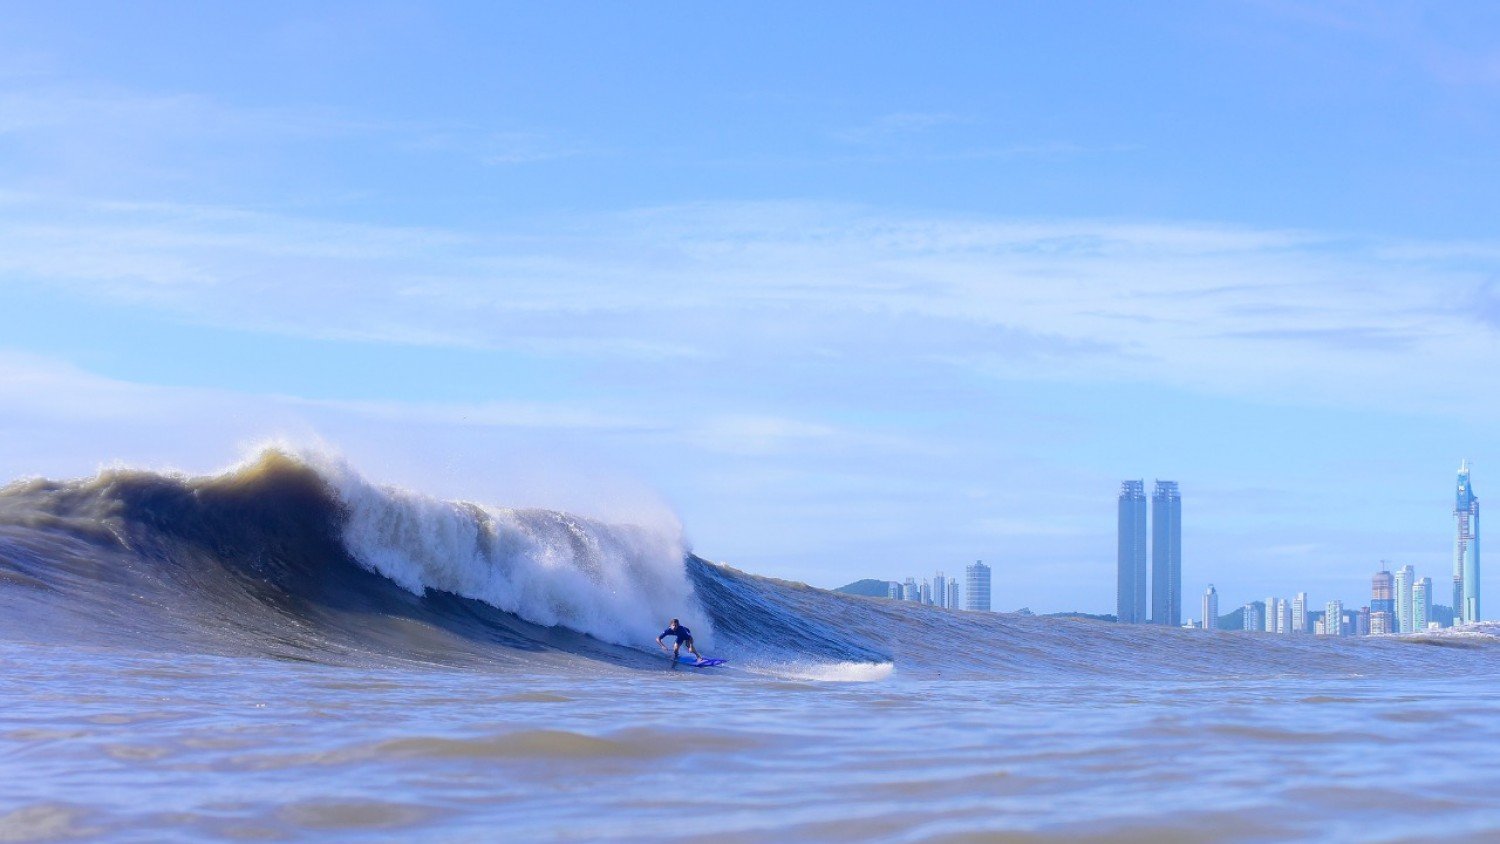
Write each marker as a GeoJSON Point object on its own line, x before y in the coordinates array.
{"type": "Point", "coordinates": [116, 744]}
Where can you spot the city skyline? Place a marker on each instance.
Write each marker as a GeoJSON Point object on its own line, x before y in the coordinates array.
{"type": "Point", "coordinates": [940, 590]}
{"type": "Point", "coordinates": [1408, 598]}
{"type": "Point", "coordinates": [1400, 601]}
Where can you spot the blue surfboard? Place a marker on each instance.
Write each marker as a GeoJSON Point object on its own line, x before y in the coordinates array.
{"type": "Point", "coordinates": [700, 663]}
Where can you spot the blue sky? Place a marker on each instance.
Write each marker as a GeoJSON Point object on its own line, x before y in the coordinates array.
{"type": "Point", "coordinates": [856, 290]}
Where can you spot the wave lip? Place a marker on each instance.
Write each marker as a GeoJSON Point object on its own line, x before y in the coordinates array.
{"type": "Point", "coordinates": [617, 583]}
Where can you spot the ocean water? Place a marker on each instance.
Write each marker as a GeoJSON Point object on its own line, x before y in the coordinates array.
{"type": "Point", "coordinates": [286, 651]}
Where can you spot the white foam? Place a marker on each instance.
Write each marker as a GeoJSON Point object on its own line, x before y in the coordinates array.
{"type": "Point", "coordinates": [827, 672]}
{"type": "Point", "coordinates": [618, 583]}
{"type": "Point", "coordinates": [1474, 630]}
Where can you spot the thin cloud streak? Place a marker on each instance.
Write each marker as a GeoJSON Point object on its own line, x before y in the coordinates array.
{"type": "Point", "coordinates": [1214, 308]}
{"type": "Point", "coordinates": [897, 124]}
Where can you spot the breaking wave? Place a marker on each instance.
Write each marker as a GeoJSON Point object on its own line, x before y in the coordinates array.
{"type": "Point", "coordinates": [615, 583]}
{"type": "Point", "coordinates": [297, 556]}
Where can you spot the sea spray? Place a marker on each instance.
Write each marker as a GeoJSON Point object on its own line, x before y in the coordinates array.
{"type": "Point", "coordinates": [617, 583]}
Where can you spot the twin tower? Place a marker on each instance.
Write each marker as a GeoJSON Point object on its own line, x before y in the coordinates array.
{"type": "Point", "coordinates": [1166, 554]}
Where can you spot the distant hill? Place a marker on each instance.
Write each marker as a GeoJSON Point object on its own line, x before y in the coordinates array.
{"type": "Point", "coordinates": [1083, 615]}
{"type": "Point", "coordinates": [1069, 614]}
{"type": "Point", "coordinates": [869, 587]}
{"type": "Point", "coordinates": [1233, 621]}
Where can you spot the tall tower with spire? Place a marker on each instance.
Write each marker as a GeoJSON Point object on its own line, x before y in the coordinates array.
{"type": "Point", "coordinates": [1466, 550]}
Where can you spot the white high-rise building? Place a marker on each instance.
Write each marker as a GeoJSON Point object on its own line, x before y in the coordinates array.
{"type": "Point", "coordinates": [1270, 615]}
{"type": "Point", "coordinates": [911, 591]}
{"type": "Point", "coordinates": [1283, 616]}
{"type": "Point", "coordinates": [1250, 617]}
{"type": "Point", "coordinates": [1211, 608]}
{"type": "Point", "coordinates": [1421, 604]}
{"type": "Point", "coordinates": [940, 589]}
{"type": "Point", "coordinates": [1333, 618]}
{"type": "Point", "coordinates": [953, 603]}
{"type": "Point", "coordinates": [1405, 577]}
{"type": "Point", "coordinates": [1299, 613]}
{"type": "Point", "coordinates": [893, 590]}
{"type": "Point", "coordinates": [926, 592]}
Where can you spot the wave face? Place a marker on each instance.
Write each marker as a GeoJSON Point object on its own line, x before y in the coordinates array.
{"type": "Point", "coordinates": [299, 557]}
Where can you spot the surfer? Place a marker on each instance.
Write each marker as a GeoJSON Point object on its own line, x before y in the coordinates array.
{"type": "Point", "coordinates": [683, 636]}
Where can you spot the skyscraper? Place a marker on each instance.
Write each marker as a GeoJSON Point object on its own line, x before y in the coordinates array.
{"type": "Point", "coordinates": [910, 591]}
{"type": "Point", "coordinates": [940, 589]}
{"type": "Point", "coordinates": [1166, 554]}
{"type": "Point", "coordinates": [977, 587]}
{"type": "Point", "coordinates": [1465, 550]}
{"type": "Point", "coordinates": [926, 592]}
{"type": "Point", "coordinates": [1251, 617]}
{"type": "Point", "coordinates": [1421, 604]}
{"type": "Point", "coordinates": [1383, 593]}
{"type": "Point", "coordinates": [1333, 618]}
{"type": "Point", "coordinates": [953, 594]}
{"type": "Point", "coordinates": [1211, 608]}
{"type": "Point", "coordinates": [1299, 613]}
{"type": "Point", "coordinates": [1270, 615]}
{"type": "Point", "coordinates": [1283, 616]}
{"type": "Point", "coordinates": [1404, 577]}
{"type": "Point", "coordinates": [1130, 574]}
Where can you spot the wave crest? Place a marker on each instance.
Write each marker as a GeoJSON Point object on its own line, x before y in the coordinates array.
{"type": "Point", "coordinates": [617, 583]}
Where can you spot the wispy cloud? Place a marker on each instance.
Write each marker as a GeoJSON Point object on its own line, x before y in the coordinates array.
{"type": "Point", "coordinates": [87, 130]}
{"type": "Point", "coordinates": [55, 392]}
{"type": "Point", "coordinates": [1210, 307]}
{"type": "Point", "coordinates": [897, 124]}
{"type": "Point", "coordinates": [934, 137]}
{"type": "Point", "coordinates": [1348, 338]}
{"type": "Point", "coordinates": [100, 115]}
{"type": "Point", "coordinates": [494, 148]}
{"type": "Point", "coordinates": [1449, 48]}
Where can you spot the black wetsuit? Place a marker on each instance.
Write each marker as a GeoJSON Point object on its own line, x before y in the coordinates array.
{"type": "Point", "coordinates": [682, 634]}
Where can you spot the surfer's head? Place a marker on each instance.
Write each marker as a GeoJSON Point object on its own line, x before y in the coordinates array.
{"type": "Point", "coordinates": [674, 623]}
